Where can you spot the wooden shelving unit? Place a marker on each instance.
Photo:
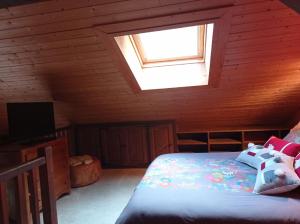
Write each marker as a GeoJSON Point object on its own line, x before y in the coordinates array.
{"type": "Point", "coordinates": [192, 141]}
{"type": "Point", "coordinates": [220, 141]}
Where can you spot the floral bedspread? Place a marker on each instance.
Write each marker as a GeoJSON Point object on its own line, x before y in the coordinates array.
{"type": "Point", "coordinates": [196, 172]}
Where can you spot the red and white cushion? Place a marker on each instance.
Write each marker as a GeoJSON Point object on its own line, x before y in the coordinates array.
{"type": "Point", "coordinates": [286, 147]}
{"type": "Point", "coordinates": [276, 175]}
{"type": "Point", "coordinates": [254, 155]}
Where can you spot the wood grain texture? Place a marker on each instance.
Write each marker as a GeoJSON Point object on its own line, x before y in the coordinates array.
{"type": "Point", "coordinates": [52, 51]}
{"type": "Point", "coordinates": [47, 186]}
{"type": "Point", "coordinates": [4, 210]}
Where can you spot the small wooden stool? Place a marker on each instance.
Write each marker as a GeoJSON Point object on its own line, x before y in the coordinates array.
{"type": "Point", "coordinates": [84, 170]}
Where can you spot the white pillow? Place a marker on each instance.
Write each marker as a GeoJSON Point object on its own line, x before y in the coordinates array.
{"type": "Point", "coordinates": [276, 175]}
{"type": "Point", "coordinates": [254, 155]}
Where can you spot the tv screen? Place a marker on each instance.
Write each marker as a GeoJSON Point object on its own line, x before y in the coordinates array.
{"type": "Point", "coordinates": [30, 120]}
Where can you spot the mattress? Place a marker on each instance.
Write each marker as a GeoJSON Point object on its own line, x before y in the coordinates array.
{"type": "Point", "coordinates": [205, 188]}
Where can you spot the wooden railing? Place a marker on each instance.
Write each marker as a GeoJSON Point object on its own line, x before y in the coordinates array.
{"type": "Point", "coordinates": [41, 166]}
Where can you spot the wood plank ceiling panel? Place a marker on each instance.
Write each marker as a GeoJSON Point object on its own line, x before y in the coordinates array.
{"type": "Point", "coordinates": [51, 51]}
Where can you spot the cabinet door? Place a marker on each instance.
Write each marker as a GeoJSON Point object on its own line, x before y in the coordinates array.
{"type": "Point", "coordinates": [137, 148]}
{"type": "Point", "coordinates": [87, 140]}
{"type": "Point", "coordinates": [111, 146]}
{"type": "Point", "coordinates": [124, 146]}
{"type": "Point", "coordinates": [61, 171]}
{"type": "Point", "coordinates": [162, 139]}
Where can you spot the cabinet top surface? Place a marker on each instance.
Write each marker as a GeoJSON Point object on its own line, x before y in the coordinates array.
{"type": "Point", "coordinates": [19, 147]}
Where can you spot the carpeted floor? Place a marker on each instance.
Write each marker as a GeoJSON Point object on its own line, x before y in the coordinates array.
{"type": "Point", "coordinates": [102, 202]}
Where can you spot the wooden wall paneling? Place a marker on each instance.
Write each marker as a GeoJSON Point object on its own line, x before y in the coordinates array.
{"type": "Point", "coordinates": [162, 139]}
{"type": "Point", "coordinates": [89, 16]}
{"type": "Point", "coordinates": [53, 50]}
{"type": "Point", "coordinates": [121, 10]}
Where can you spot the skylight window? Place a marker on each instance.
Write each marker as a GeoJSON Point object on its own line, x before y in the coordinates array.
{"type": "Point", "coordinates": [174, 45]}
{"type": "Point", "coordinates": [169, 58]}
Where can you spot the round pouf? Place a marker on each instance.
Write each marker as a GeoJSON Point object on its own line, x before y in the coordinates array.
{"type": "Point", "coordinates": [84, 170]}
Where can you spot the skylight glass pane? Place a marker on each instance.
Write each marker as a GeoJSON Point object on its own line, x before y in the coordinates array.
{"type": "Point", "coordinates": [170, 44]}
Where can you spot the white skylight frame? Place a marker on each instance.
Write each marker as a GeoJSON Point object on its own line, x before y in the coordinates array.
{"type": "Point", "coordinates": [157, 48]}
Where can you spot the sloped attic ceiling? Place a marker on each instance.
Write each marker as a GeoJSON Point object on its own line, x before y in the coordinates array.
{"type": "Point", "coordinates": [50, 50]}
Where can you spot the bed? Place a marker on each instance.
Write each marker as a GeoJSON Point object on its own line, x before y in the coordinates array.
{"type": "Point", "coordinates": [205, 188]}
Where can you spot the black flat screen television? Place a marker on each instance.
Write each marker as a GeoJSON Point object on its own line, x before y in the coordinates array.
{"type": "Point", "coordinates": [29, 121]}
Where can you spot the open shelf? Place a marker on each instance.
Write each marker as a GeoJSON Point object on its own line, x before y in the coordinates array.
{"type": "Point", "coordinates": [225, 138]}
{"type": "Point", "coordinates": [190, 142]}
{"type": "Point", "coordinates": [224, 141]}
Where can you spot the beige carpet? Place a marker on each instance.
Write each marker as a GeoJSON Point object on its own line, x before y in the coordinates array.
{"type": "Point", "coordinates": [101, 202]}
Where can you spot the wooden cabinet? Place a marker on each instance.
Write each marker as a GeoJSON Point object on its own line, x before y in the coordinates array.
{"type": "Point", "coordinates": [162, 140]}
{"type": "Point", "coordinates": [124, 146]}
{"type": "Point", "coordinates": [131, 144]}
{"type": "Point", "coordinates": [16, 154]}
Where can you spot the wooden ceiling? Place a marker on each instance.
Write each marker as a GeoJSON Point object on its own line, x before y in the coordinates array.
{"type": "Point", "coordinates": [51, 51]}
